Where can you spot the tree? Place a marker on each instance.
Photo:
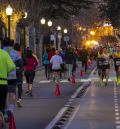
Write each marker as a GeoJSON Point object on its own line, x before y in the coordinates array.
{"type": "Point", "coordinates": [111, 10]}
{"type": "Point", "coordinates": [63, 8]}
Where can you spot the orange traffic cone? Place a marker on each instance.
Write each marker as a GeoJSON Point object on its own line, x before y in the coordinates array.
{"type": "Point", "coordinates": [81, 73]}
{"type": "Point", "coordinates": [12, 122]}
{"type": "Point", "coordinates": [73, 79]}
{"type": "Point", "coordinates": [57, 90]}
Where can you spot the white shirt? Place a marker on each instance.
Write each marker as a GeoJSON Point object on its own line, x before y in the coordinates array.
{"type": "Point", "coordinates": [56, 62]}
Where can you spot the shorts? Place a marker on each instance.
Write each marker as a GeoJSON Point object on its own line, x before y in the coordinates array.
{"type": "Point", "coordinates": [29, 75]}
{"type": "Point", "coordinates": [12, 86]}
{"type": "Point", "coordinates": [56, 70]}
{"type": "Point", "coordinates": [105, 67]}
{"type": "Point", "coordinates": [116, 68]}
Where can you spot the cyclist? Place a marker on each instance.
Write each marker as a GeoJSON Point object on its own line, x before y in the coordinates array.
{"type": "Point", "coordinates": [105, 64]}
{"type": "Point", "coordinates": [116, 57]}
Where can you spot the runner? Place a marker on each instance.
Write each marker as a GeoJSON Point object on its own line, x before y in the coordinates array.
{"type": "Point", "coordinates": [46, 62]}
{"type": "Point", "coordinates": [69, 59]}
{"type": "Point", "coordinates": [6, 66]}
{"type": "Point", "coordinates": [8, 46]}
{"type": "Point", "coordinates": [84, 58]}
{"type": "Point", "coordinates": [116, 57]}
{"type": "Point", "coordinates": [56, 62]}
{"type": "Point", "coordinates": [19, 73]}
{"type": "Point", "coordinates": [105, 64]}
{"type": "Point", "coordinates": [30, 67]}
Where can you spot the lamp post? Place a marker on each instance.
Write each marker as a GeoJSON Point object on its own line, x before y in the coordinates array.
{"type": "Point", "coordinates": [66, 37]}
{"type": "Point", "coordinates": [42, 35]}
{"type": "Point", "coordinates": [9, 12]}
{"type": "Point", "coordinates": [24, 28]}
{"type": "Point", "coordinates": [59, 37]}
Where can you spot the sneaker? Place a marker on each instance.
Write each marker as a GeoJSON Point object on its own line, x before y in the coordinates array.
{"type": "Point", "coordinates": [105, 83]}
{"type": "Point", "coordinates": [27, 92]}
{"type": "Point", "coordinates": [19, 105]}
{"type": "Point", "coordinates": [30, 94]}
{"type": "Point", "coordinates": [68, 79]}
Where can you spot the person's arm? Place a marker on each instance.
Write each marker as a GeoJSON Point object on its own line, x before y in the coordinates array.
{"type": "Point", "coordinates": [51, 60]}
{"type": "Point", "coordinates": [10, 64]}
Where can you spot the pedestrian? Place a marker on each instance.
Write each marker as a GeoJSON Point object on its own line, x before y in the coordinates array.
{"type": "Point", "coordinates": [8, 46]}
{"type": "Point", "coordinates": [46, 62]}
{"type": "Point", "coordinates": [29, 71]}
{"type": "Point", "coordinates": [19, 74]}
{"type": "Point", "coordinates": [69, 58]}
{"type": "Point", "coordinates": [56, 62]}
{"type": "Point", "coordinates": [6, 66]}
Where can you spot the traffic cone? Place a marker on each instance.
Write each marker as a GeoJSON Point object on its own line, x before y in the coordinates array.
{"type": "Point", "coordinates": [73, 79]}
{"type": "Point", "coordinates": [12, 122]}
{"type": "Point", "coordinates": [81, 73]}
{"type": "Point", "coordinates": [57, 90]}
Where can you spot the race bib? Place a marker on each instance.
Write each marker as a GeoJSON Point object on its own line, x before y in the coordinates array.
{"type": "Point", "coordinates": [117, 63]}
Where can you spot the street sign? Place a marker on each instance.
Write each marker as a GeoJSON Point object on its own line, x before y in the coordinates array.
{"type": "Point", "coordinates": [66, 38]}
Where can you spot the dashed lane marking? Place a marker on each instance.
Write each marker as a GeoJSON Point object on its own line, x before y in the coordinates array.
{"type": "Point", "coordinates": [61, 112]}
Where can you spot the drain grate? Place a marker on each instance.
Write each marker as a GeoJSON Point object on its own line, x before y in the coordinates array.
{"type": "Point", "coordinates": [66, 116]}
{"type": "Point", "coordinates": [83, 90]}
{"type": "Point", "coordinates": [56, 127]}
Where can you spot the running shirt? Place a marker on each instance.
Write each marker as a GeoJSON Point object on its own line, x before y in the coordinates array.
{"type": "Point", "coordinates": [105, 59]}
{"type": "Point", "coordinates": [117, 59]}
{"type": "Point", "coordinates": [56, 62]}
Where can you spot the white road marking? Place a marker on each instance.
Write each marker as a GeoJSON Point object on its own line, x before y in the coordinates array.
{"type": "Point", "coordinates": [117, 114]}
{"type": "Point", "coordinates": [117, 122]}
{"type": "Point", "coordinates": [61, 112]}
{"type": "Point", "coordinates": [58, 116]}
{"type": "Point", "coordinates": [117, 118]}
{"type": "Point", "coordinates": [118, 127]}
{"type": "Point", "coordinates": [71, 119]}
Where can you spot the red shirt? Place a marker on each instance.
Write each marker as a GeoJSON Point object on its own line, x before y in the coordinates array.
{"type": "Point", "coordinates": [31, 64]}
{"type": "Point", "coordinates": [50, 55]}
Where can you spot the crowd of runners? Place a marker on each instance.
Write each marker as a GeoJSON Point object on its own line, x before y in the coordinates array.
{"type": "Point", "coordinates": [16, 64]}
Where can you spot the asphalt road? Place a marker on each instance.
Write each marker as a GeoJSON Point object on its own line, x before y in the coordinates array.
{"type": "Point", "coordinates": [39, 110]}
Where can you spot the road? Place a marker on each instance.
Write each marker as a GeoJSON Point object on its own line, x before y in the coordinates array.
{"type": "Point", "coordinates": [84, 105]}
{"type": "Point", "coordinates": [39, 110]}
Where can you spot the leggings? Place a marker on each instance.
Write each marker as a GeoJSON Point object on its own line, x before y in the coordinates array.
{"type": "Point", "coordinates": [19, 91]}
{"type": "Point", "coordinates": [3, 96]}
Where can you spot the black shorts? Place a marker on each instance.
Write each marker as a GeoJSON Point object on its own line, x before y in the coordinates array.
{"type": "Point", "coordinates": [116, 67]}
{"type": "Point", "coordinates": [105, 67]}
{"type": "Point", "coordinates": [12, 86]}
{"type": "Point", "coordinates": [56, 70]}
{"type": "Point", "coordinates": [29, 75]}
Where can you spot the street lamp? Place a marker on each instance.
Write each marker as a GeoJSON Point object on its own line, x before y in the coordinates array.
{"type": "Point", "coordinates": [59, 37]}
{"type": "Point", "coordinates": [9, 12]}
{"type": "Point", "coordinates": [59, 28]}
{"type": "Point", "coordinates": [25, 15]}
{"type": "Point", "coordinates": [49, 23]}
{"type": "Point", "coordinates": [65, 31]}
{"type": "Point", "coordinates": [92, 32]}
{"type": "Point", "coordinates": [42, 21]}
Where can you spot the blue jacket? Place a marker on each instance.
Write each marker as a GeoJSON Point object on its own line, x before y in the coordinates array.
{"type": "Point", "coordinates": [45, 58]}
{"type": "Point", "coordinates": [15, 57]}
